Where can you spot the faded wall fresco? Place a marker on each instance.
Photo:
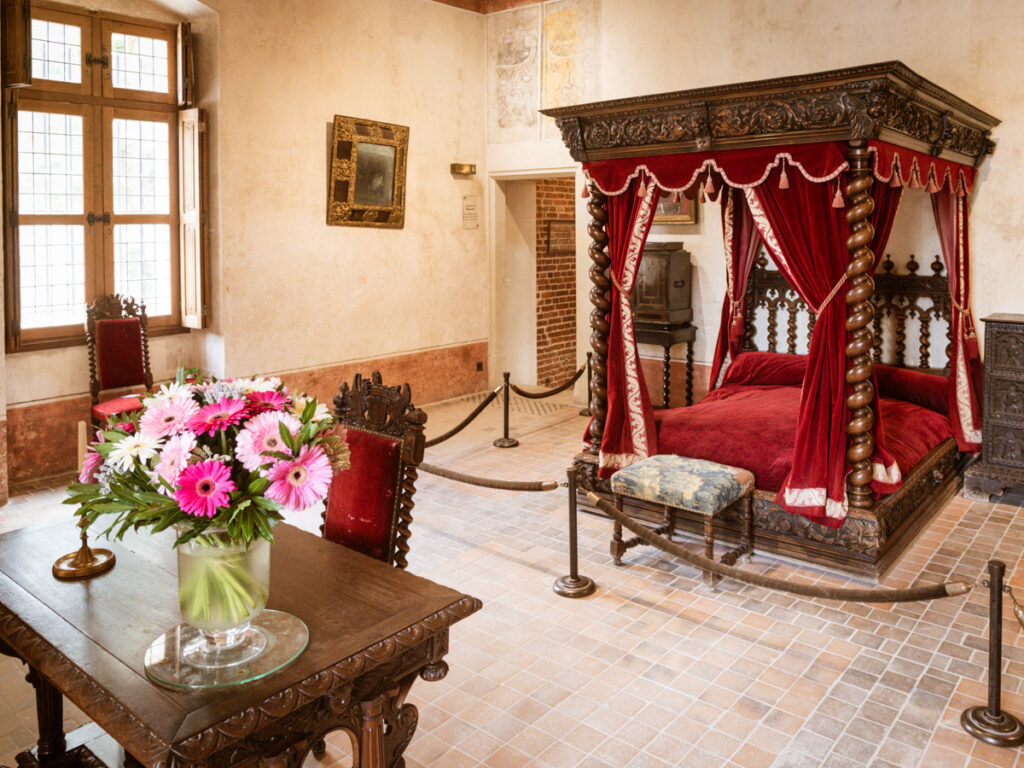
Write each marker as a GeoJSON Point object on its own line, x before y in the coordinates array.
{"type": "Point", "coordinates": [544, 55]}
{"type": "Point", "coordinates": [513, 74]}
{"type": "Point", "coordinates": [571, 56]}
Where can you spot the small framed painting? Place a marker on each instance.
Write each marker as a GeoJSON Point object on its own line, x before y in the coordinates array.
{"type": "Point", "coordinates": [669, 212]}
{"type": "Point", "coordinates": [367, 184]}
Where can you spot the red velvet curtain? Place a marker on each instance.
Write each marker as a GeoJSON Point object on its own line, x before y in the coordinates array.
{"type": "Point", "coordinates": [742, 243]}
{"type": "Point", "coordinates": [629, 433]}
{"type": "Point", "coordinates": [806, 237]}
{"type": "Point", "coordinates": [965, 362]}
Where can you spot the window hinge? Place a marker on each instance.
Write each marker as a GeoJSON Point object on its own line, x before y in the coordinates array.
{"type": "Point", "coordinates": [103, 61]}
{"type": "Point", "coordinates": [91, 218]}
{"type": "Point", "coordinates": [202, 127]}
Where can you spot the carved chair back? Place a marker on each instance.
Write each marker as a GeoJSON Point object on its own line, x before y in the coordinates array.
{"type": "Point", "coordinates": [369, 505]}
{"type": "Point", "coordinates": [897, 298]}
{"type": "Point", "coordinates": [116, 334]}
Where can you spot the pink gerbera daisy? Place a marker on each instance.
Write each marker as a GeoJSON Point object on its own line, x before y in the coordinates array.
{"type": "Point", "coordinates": [270, 400]}
{"type": "Point", "coordinates": [262, 434]}
{"type": "Point", "coordinates": [174, 458]}
{"type": "Point", "coordinates": [167, 417]}
{"type": "Point", "coordinates": [204, 487]}
{"type": "Point", "coordinates": [298, 483]}
{"type": "Point", "coordinates": [216, 416]}
{"type": "Point", "coordinates": [90, 464]}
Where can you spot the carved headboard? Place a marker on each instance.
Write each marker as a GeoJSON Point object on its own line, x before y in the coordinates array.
{"type": "Point", "coordinates": [898, 298]}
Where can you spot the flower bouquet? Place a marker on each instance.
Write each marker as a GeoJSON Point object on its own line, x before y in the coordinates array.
{"type": "Point", "coordinates": [219, 461]}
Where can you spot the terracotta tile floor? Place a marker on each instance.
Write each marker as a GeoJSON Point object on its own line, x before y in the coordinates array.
{"type": "Point", "coordinates": [652, 670]}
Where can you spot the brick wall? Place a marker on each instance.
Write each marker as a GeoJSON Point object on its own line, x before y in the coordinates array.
{"type": "Point", "coordinates": [556, 282]}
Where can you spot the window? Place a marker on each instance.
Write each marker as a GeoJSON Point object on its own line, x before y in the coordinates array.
{"type": "Point", "coordinates": [92, 178]}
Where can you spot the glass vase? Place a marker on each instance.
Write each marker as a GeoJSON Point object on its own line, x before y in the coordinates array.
{"type": "Point", "coordinates": [222, 587]}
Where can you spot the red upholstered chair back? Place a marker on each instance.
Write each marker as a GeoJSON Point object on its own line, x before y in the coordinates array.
{"type": "Point", "coordinates": [115, 329]}
{"type": "Point", "coordinates": [369, 505]}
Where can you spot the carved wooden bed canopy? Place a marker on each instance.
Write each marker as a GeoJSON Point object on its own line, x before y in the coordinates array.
{"type": "Point", "coordinates": [884, 101]}
{"type": "Point", "coordinates": [858, 129]}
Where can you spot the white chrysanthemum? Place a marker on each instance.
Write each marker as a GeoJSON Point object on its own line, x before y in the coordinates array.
{"type": "Point", "coordinates": [133, 447]}
{"type": "Point", "coordinates": [168, 391]}
{"type": "Point", "coordinates": [258, 383]}
{"type": "Point", "coordinates": [299, 404]}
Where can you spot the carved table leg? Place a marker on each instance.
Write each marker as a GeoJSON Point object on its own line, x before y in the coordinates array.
{"type": "Point", "coordinates": [689, 373]}
{"type": "Point", "coordinates": [50, 717]}
{"type": "Point", "coordinates": [371, 735]}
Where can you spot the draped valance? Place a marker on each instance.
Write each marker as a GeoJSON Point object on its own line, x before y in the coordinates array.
{"type": "Point", "coordinates": [747, 168]}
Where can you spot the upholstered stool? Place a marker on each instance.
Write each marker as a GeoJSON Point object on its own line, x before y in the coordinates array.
{"type": "Point", "coordinates": [676, 482]}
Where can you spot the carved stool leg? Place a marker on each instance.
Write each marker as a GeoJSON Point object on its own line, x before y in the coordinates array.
{"type": "Point", "coordinates": [617, 547]}
{"type": "Point", "coordinates": [50, 717]}
{"type": "Point", "coordinates": [669, 522]}
{"type": "Point", "coordinates": [748, 526]}
{"type": "Point", "coordinates": [710, 579]}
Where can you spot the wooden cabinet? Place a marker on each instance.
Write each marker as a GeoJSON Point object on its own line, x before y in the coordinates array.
{"type": "Point", "coordinates": [1002, 454]}
{"type": "Point", "coordinates": [662, 311]}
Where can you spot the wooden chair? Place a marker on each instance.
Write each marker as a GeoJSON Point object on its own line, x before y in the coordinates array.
{"type": "Point", "coordinates": [369, 505]}
{"type": "Point", "coordinates": [116, 334]}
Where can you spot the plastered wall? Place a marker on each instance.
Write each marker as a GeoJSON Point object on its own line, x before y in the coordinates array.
{"type": "Point", "coordinates": [294, 293]}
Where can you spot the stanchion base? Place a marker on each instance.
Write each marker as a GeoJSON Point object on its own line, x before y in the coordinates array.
{"type": "Point", "coordinates": [580, 586]}
{"type": "Point", "coordinates": [506, 442]}
{"type": "Point", "coordinates": [1002, 731]}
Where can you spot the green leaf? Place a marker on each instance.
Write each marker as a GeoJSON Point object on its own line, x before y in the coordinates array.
{"type": "Point", "coordinates": [286, 436]}
{"type": "Point", "coordinates": [308, 410]}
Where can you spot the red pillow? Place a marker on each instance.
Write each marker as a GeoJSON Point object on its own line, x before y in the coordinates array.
{"type": "Point", "coordinates": [767, 368]}
{"type": "Point", "coordinates": [925, 389]}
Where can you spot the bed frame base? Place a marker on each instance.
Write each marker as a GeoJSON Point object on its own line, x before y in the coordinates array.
{"type": "Point", "coordinates": [867, 544]}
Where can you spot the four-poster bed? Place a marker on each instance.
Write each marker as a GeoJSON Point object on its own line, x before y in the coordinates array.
{"type": "Point", "coordinates": [811, 170]}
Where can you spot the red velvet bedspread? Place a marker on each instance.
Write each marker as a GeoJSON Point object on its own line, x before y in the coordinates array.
{"type": "Point", "coordinates": [753, 426]}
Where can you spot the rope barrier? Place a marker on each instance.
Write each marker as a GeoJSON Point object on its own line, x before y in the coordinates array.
{"type": "Point", "coordinates": [465, 422]}
{"type": "Point", "coordinates": [549, 392]}
{"type": "Point", "coordinates": [483, 482]}
{"type": "Point", "coordinates": [923, 592]}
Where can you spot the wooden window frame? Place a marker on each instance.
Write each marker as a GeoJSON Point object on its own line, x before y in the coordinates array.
{"type": "Point", "coordinates": [98, 111]}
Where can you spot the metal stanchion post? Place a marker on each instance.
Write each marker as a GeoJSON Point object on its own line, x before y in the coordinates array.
{"type": "Point", "coordinates": [990, 723]}
{"type": "Point", "coordinates": [505, 441]}
{"type": "Point", "coordinates": [573, 585]}
{"type": "Point", "coordinates": [585, 411]}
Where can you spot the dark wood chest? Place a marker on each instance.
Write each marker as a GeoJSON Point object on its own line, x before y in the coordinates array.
{"type": "Point", "coordinates": [662, 291]}
{"type": "Point", "coordinates": [1002, 453]}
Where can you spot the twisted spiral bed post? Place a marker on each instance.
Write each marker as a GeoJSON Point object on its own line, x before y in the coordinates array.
{"type": "Point", "coordinates": [600, 298]}
{"type": "Point", "coordinates": [859, 326]}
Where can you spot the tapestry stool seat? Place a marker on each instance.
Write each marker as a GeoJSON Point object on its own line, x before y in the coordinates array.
{"type": "Point", "coordinates": [702, 487]}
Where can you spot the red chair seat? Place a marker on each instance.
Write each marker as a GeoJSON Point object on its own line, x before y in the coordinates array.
{"type": "Point", "coordinates": [101, 411]}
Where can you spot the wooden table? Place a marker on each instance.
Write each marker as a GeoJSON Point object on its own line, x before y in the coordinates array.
{"type": "Point", "coordinates": [372, 630]}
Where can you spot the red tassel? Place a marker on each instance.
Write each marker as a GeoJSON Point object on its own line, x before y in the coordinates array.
{"type": "Point", "coordinates": [641, 191]}
{"type": "Point", "coordinates": [586, 191]}
{"type": "Point", "coordinates": [709, 186]}
{"type": "Point", "coordinates": [700, 195]}
{"type": "Point", "coordinates": [932, 187]}
{"type": "Point", "coordinates": [676, 198]}
{"type": "Point", "coordinates": [837, 201]}
{"type": "Point", "coordinates": [895, 181]}
{"type": "Point", "coordinates": [783, 178]}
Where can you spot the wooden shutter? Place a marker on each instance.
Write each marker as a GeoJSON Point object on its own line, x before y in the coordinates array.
{"type": "Point", "coordinates": [192, 205]}
{"type": "Point", "coordinates": [16, 43]}
{"type": "Point", "coordinates": [186, 66]}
